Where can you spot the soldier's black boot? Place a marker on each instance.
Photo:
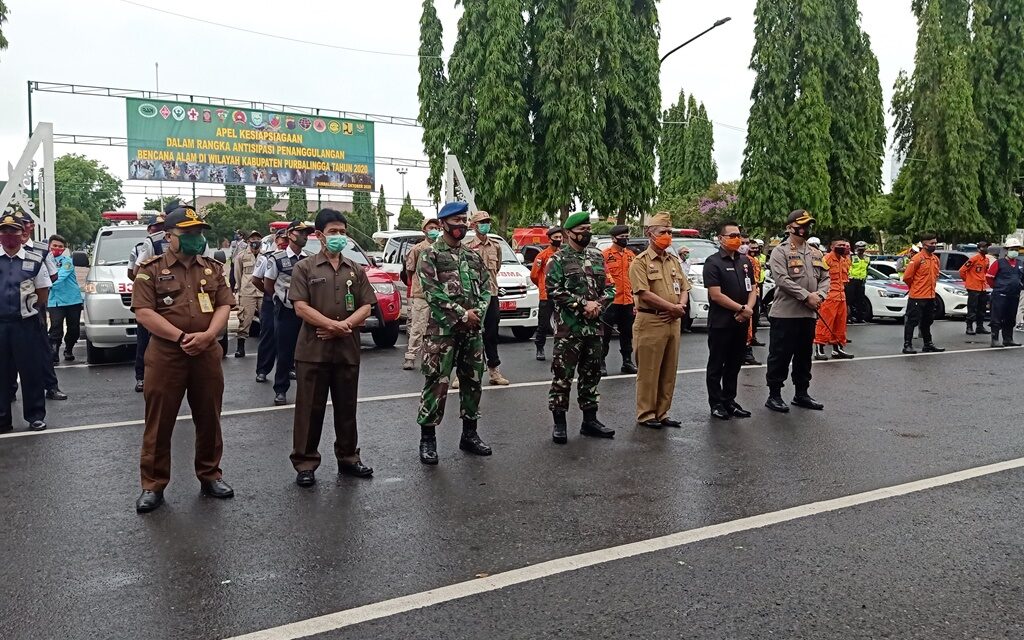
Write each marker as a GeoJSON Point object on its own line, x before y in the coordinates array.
{"type": "Point", "coordinates": [471, 442]}
{"type": "Point", "coordinates": [930, 347]}
{"type": "Point", "coordinates": [240, 350]}
{"type": "Point", "coordinates": [804, 400]}
{"type": "Point", "coordinates": [775, 401]}
{"type": "Point", "coordinates": [627, 365]}
{"type": "Point", "coordinates": [995, 338]}
{"type": "Point", "coordinates": [970, 328]}
{"type": "Point", "coordinates": [558, 433]}
{"type": "Point", "coordinates": [908, 348]}
{"type": "Point", "coordinates": [540, 353]}
{"type": "Point", "coordinates": [592, 426]}
{"type": "Point", "coordinates": [839, 353]}
{"type": "Point", "coordinates": [604, 368]}
{"type": "Point", "coordinates": [1008, 338]}
{"type": "Point", "coordinates": [428, 445]}
{"type": "Point", "coordinates": [982, 330]}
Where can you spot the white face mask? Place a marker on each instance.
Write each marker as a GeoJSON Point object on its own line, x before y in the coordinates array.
{"type": "Point", "coordinates": [744, 248]}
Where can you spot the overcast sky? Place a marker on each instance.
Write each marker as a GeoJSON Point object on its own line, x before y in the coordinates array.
{"type": "Point", "coordinates": [116, 43]}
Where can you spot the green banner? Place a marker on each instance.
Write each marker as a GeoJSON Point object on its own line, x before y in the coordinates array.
{"type": "Point", "coordinates": [183, 142]}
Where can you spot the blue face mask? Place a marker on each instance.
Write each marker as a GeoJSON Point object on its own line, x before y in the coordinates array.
{"type": "Point", "coordinates": [434, 234]}
{"type": "Point", "coordinates": [484, 227]}
{"type": "Point", "coordinates": [336, 244]}
{"type": "Point", "coordinates": [1012, 254]}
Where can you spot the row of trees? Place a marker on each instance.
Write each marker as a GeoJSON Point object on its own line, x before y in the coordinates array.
{"type": "Point", "coordinates": [685, 163]}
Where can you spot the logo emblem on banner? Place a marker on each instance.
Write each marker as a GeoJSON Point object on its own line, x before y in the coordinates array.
{"type": "Point", "coordinates": [275, 122]}
{"type": "Point", "coordinates": [238, 117]}
{"type": "Point", "coordinates": [346, 128]}
{"type": "Point", "coordinates": [319, 125]}
{"type": "Point", "coordinates": [289, 122]}
{"type": "Point", "coordinates": [256, 119]}
{"type": "Point", "coordinates": [207, 115]}
{"type": "Point", "coordinates": [360, 128]}
{"type": "Point", "coordinates": [165, 112]}
{"type": "Point", "coordinates": [178, 112]}
{"type": "Point", "coordinates": [334, 126]}
{"type": "Point", "coordinates": [222, 115]}
{"type": "Point", "coordinates": [193, 114]}
{"type": "Point", "coordinates": [147, 110]}
{"type": "Point", "coordinates": [305, 123]}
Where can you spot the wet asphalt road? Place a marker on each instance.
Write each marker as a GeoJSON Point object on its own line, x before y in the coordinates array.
{"type": "Point", "coordinates": [942, 563]}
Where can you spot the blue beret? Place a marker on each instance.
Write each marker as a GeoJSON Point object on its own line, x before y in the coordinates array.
{"type": "Point", "coordinates": [452, 209]}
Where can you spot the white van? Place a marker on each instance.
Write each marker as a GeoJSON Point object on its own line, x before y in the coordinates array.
{"type": "Point", "coordinates": [518, 297]}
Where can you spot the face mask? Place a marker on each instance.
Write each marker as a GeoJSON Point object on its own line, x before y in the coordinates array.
{"type": "Point", "coordinates": [622, 242]}
{"type": "Point", "coordinates": [282, 244]}
{"type": "Point", "coordinates": [57, 252]}
{"type": "Point", "coordinates": [255, 246]}
{"type": "Point", "coordinates": [434, 234]}
{"type": "Point", "coordinates": [10, 242]}
{"type": "Point", "coordinates": [931, 249]}
{"type": "Point", "coordinates": [583, 238]}
{"type": "Point", "coordinates": [840, 251]}
{"type": "Point", "coordinates": [335, 244]}
{"type": "Point", "coordinates": [662, 242]}
{"type": "Point", "coordinates": [484, 227]}
{"type": "Point", "coordinates": [456, 231]}
{"type": "Point", "coordinates": [1012, 254]}
{"type": "Point", "coordinates": [733, 244]}
{"type": "Point", "coordinates": [300, 240]}
{"type": "Point", "coordinates": [192, 245]}
{"type": "Point", "coordinates": [556, 243]}
{"type": "Point", "coordinates": [800, 231]}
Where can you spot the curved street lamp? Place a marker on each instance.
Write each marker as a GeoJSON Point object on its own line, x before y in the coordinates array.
{"type": "Point", "coordinates": [711, 28]}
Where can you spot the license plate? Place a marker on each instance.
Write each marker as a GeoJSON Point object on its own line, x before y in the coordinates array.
{"type": "Point", "coordinates": [506, 305]}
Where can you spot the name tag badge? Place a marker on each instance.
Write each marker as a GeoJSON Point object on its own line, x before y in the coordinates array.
{"type": "Point", "coordinates": [317, 280]}
{"type": "Point", "coordinates": [676, 288]}
{"type": "Point", "coordinates": [285, 263]}
{"type": "Point", "coordinates": [28, 266]}
{"type": "Point", "coordinates": [205, 305]}
{"type": "Point", "coordinates": [162, 278]}
{"type": "Point", "coordinates": [350, 302]}
{"type": "Point", "coordinates": [746, 283]}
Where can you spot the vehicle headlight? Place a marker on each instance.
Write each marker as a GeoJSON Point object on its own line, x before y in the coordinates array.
{"type": "Point", "coordinates": [99, 287]}
{"type": "Point", "coordinates": [955, 291]}
{"type": "Point", "coordinates": [882, 293]}
{"type": "Point", "coordinates": [530, 288]}
{"type": "Point", "coordinates": [697, 281]}
{"type": "Point", "coordinates": [386, 288]}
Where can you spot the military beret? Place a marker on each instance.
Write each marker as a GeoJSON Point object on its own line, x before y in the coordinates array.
{"type": "Point", "coordinates": [660, 219]}
{"type": "Point", "coordinates": [576, 219]}
{"type": "Point", "coordinates": [800, 217]}
{"type": "Point", "coordinates": [452, 209]}
{"type": "Point", "coordinates": [618, 230]}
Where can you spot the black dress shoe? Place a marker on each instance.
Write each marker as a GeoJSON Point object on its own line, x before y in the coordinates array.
{"type": "Point", "coordinates": [669, 422]}
{"type": "Point", "coordinates": [56, 394]}
{"type": "Point", "coordinates": [470, 442]}
{"type": "Point", "coordinates": [1011, 343]}
{"type": "Point", "coordinates": [775, 403]}
{"type": "Point", "coordinates": [149, 501]}
{"type": "Point", "coordinates": [807, 402]}
{"type": "Point", "coordinates": [931, 348]}
{"type": "Point", "coordinates": [428, 450]}
{"type": "Point", "coordinates": [261, 377]}
{"type": "Point", "coordinates": [139, 386]}
{"type": "Point", "coordinates": [720, 413]}
{"type": "Point", "coordinates": [909, 350]}
{"type": "Point", "coordinates": [217, 489]}
{"type": "Point", "coordinates": [305, 478]}
{"type": "Point", "coordinates": [37, 425]}
{"type": "Point", "coordinates": [604, 370]}
{"type": "Point", "coordinates": [540, 354]}
{"type": "Point", "coordinates": [355, 469]}
{"type": "Point", "coordinates": [593, 427]}
{"type": "Point", "coordinates": [650, 424]}
{"type": "Point", "coordinates": [628, 367]}
{"type": "Point", "coordinates": [983, 331]}
{"type": "Point", "coordinates": [737, 411]}
{"type": "Point", "coordinates": [280, 399]}
{"type": "Point", "coordinates": [69, 357]}
{"type": "Point", "coordinates": [756, 343]}
{"type": "Point", "coordinates": [970, 331]}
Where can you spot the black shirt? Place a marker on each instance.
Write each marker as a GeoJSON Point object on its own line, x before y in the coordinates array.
{"type": "Point", "coordinates": [735, 276]}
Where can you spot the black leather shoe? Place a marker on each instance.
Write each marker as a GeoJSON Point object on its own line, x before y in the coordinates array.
{"type": "Point", "coordinates": [540, 354]}
{"type": "Point", "coordinates": [355, 469]}
{"type": "Point", "coordinates": [983, 331]}
{"type": "Point", "coordinates": [756, 343]}
{"type": "Point", "coordinates": [775, 403]}
{"type": "Point", "coordinates": [650, 424]}
{"type": "Point", "coordinates": [931, 348]}
{"type": "Point", "coordinates": [1011, 343]}
{"type": "Point", "coordinates": [305, 478]}
{"type": "Point", "coordinates": [669, 422]}
{"type": "Point", "coordinates": [240, 349]}
{"type": "Point", "coordinates": [280, 399]}
{"type": "Point", "coordinates": [261, 377]}
{"type": "Point", "coordinates": [291, 374]}
{"type": "Point", "coordinates": [56, 394]}
{"type": "Point", "coordinates": [908, 349]}
{"type": "Point", "coordinates": [217, 489]}
{"type": "Point", "coordinates": [140, 386]}
{"type": "Point", "coordinates": [69, 357]}
{"type": "Point", "coordinates": [428, 450]}
{"type": "Point", "coordinates": [628, 367]}
{"type": "Point", "coordinates": [149, 501]}
{"type": "Point", "coordinates": [970, 331]}
{"type": "Point", "coordinates": [37, 425]}
{"type": "Point", "coordinates": [737, 411]}
{"type": "Point", "coordinates": [470, 442]}
{"type": "Point", "coordinates": [720, 413]}
{"type": "Point", "coordinates": [604, 369]}
{"type": "Point", "coordinates": [559, 432]}
{"type": "Point", "coordinates": [593, 427]}
{"type": "Point", "coordinates": [807, 402]}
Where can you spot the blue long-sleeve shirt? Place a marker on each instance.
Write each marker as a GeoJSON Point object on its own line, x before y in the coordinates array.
{"type": "Point", "coordinates": [65, 290]}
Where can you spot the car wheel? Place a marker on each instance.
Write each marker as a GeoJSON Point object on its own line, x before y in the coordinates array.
{"type": "Point", "coordinates": [940, 308]}
{"type": "Point", "coordinates": [386, 336]}
{"type": "Point", "coordinates": [866, 311]}
{"type": "Point", "coordinates": [94, 354]}
{"type": "Point", "coordinates": [523, 333]}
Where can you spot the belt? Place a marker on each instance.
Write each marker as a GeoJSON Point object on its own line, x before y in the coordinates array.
{"type": "Point", "coordinates": [650, 311]}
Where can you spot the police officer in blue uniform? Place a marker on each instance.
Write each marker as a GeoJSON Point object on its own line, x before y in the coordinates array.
{"type": "Point", "coordinates": [277, 277]}
{"type": "Point", "coordinates": [267, 352]}
{"type": "Point", "coordinates": [153, 245]}
{"type": "Point", "coordinates": [24, 285]}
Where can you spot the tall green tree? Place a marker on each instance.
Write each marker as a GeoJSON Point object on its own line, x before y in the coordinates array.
{"type": "Point", "coordinates": [700, 170]}
{"type": "Point", "coordinates": [298, 208]}
{"type": "Point", "coordinates": [433, 96]}
{"type": "Point", "coordinates": [467, 59]}
{"type": "Point", "coordinates": [672, 150]}
{"type": "Point", "coordinates": [381, 211]}
{"type": "Point", "coordinates": [265, 199]}
{"type": "Point", "coordinates": [85, 188]}
{"type": "Point", "coordinates": [3, 19]}
{"type": "Point", "coordinates": [362, 222]}
{"type": "Point", "coordinates": [234, 196]}
{"type": "Point", "coordinates": [157, 204]}
{"type": "Point", "coordinates": [77, 227]}
{"type": "Point", "coordinates": [409, 217]}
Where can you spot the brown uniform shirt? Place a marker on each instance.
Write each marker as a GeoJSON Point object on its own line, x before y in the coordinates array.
{"type": "Point", "coordinates": [661, 275]}
{"type": "Point", "coordinates": [411, 260]}
{"type": "Point", "coordinates": [491, 253]}
{"type": "Point", "coordinates": [243, 264]}
{"type": "Point", "coordinates": [165, 285]}
{"type": "Point", "coordinates": [315, 282]}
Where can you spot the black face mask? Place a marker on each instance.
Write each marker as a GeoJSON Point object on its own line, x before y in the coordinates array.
{"type": "Point", "coordinates": [840, 251]}
{"type": "Point", "coordinates": [457, 231]}
{"type": "Point", "coordinates": [801, 231]}
{"type": "Point", "coordinates": [582, 239]}
{"type": "Point", "coordinates": [622, 242]}
{"type": "Point", "coordinates": [931, 249]}
{"type": "Point", "coordinates": [556, 243]}
{"type": "Point", "coordinates": [300, 240]}
{"type": "Point", "coordinates": [255, 246]}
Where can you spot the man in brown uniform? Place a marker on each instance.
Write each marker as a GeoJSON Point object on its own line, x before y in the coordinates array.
{"type": "Point", "coordinates": [182, 299]}
{"type": "Point", "coordinates": [332, 297]}
{"type": "Point", "coordinates": [490, 251]}
{"type": "Point", "coordinates": [245, 291]}
{"type": "Point", "coordinates": [418, 308]}
{"type": "Point", "coordinates": [660, 291]}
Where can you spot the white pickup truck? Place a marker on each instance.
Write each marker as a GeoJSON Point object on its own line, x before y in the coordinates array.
{"type": "Point", "coordinates": [518, 297]}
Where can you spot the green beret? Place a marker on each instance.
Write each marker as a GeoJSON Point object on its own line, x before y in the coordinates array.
{"type": "Point", "coordinates": [576, 219]}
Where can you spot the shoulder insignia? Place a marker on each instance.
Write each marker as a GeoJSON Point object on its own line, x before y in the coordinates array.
{"type": "Point", "coordinates": [149, 260]}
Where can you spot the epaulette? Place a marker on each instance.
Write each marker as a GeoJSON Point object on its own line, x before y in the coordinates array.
{"type": "Point", "coordinates": [149, 260]}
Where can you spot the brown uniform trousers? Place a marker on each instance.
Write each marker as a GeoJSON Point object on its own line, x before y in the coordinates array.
{"type": "Point", "coordinates": [247, 308]}
{"type": "Point", "coordinates": [655, 342]}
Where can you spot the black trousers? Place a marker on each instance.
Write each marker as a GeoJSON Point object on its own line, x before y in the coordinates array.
{"type": "Point", "coordinates": [619, 316]}
{"type": "Point", "coordinates": [286, 326]}
{"type": "Point", "coordinates": [544, 328]}
{"type": "Point", "coordinates": [756, 318]}
{"type": "Point", "coordinates": [856, 299]}
{"type": "Point", "coordinates": [977, 305]}
{"type": "Point", "coordinates": [920, 313]}
{"type": "Point", "coordinates": [1004, 314]}
{"type": "Point", "coordinates": [791, 340]}
{"type": "Point", "coordinates": [20, 342]}
{"type": "Point", "coordinates": [71, 315]}
{"type": "Point", "coordinates": [726, 349]}
{"type": "Point", "coordinates": [141, 344]}
{"type": "Point", "coordinates": [267, 353]}
{"type": "Point", "coordinates": [491, 319]}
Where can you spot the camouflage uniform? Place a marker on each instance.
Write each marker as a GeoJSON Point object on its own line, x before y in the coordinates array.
{"type": "Point", "coordinates": [454, 281]}
{"type": "Point", "coordinates": [572, 279]}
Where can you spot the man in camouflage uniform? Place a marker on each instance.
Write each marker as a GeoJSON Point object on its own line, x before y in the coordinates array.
{"type": "Point", "coordinates": [455, 285]}
{"type": "Point", "coordinates": [578, 287]}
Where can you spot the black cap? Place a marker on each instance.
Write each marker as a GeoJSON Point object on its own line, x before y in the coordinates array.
{"type": "Point", "coordinates": [184, 218]}
{"type": "Point", "coordinates": [618, 230]}
{"type": "Point", "coordinates": [553, 230]}
{"type": "Point", "coordinates": [800, 217]}
{"type": "Point", "coordinates": [298, 225]}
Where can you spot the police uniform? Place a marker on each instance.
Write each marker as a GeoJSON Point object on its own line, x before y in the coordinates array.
{"type": "Point", "coordinates": [655, 341]}
{"type": "Point", "coordinates": [23, 281]}
{"type": "Point", "coordinates": [328, 366]}
{"type": "Point", "coordinates": [266, 354]}
{"type": "Point", "coordinates": [279, 268]}
{"type": "Point", "coordinates": [42, 252]}
{"type": "Point", "coordinates": [490, 252]}
{"type": "Point", "coordinates": [454, 282]}
{"type": "Point", "coordinates": [248, 296]}
{"type": "Point", "coordinates": [152, 246]}
{"type": "Point", "coordinates": [856, 295]}
{"type": "Point", "coordinates": [188, 294]}
{"type": "Point", "coordinates": [798, 271]}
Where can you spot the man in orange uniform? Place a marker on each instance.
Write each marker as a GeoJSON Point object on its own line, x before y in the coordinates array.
{"type": "Point", "coordinates": [617, 260]}
{"type": "Point", "coordinates": [540, 265]}
{"type": "Point", "coordinates": [831, 327]}
{"type": "Point", "coordinates": [973, 274]}
{"type": "Point", "coordinates": [921, 275]}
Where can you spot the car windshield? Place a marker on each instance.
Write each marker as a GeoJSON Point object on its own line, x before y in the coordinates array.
{"type": "Point", "coordinates": [700, 250]}
{"type": "Point", "coordinates": [114, 245]}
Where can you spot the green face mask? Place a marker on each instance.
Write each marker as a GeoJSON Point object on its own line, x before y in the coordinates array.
{"type": "Point", "coordinates": [484, 227]}
{"type": "Point", "coordinates": [434, 234]}
{"type": "Point", "coordinates": [335, 244]}
{"type": "Point", "coordinates": [192, 245]}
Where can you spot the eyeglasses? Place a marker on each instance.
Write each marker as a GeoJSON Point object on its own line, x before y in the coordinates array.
{"type": "Point", "coordinates": [732, 235]}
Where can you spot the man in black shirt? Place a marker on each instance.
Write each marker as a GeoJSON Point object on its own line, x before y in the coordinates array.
{"type": "Point", "coordinates": [732, 293]}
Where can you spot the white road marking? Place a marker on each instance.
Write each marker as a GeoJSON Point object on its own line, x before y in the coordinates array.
{"type": "Point", "coordinates": [407, 396]}
{"type": "Point", "coordinates": [433, 597]}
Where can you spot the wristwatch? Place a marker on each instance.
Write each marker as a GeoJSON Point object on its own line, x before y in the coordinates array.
{"type": "Point", "coordinates": [181, 338]}
{"type": "Point", "coordinates": [465, 316]}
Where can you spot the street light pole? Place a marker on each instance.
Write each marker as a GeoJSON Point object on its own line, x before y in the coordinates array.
{"type": "Point", "coordinates": [402, 171]}
{"type": "Point", "coordinates": [709, 29]}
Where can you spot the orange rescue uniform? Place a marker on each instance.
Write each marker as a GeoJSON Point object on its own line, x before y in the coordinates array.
{"type": "Point", "coordinates": [922, 274]}
{"type": "Point", "coordinates": [973, 272]}
{"type": "Point", "coordinates": [617, 261]}
{"type": "Point", "coordinates": [538, 271]}
{"type": "Point", "coordinates": [833, 310]}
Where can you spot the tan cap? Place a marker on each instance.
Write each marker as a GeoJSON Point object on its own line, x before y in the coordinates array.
{"type": "Point", "coordinates": [481, 216]}
{"type": "Point", "coordinates": [660, 219]}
